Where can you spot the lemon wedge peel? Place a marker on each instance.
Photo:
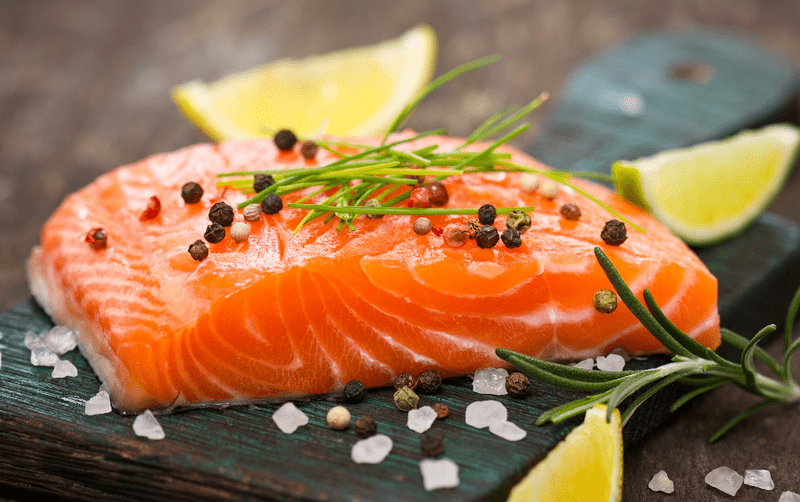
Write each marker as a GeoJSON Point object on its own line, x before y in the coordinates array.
{"type": "Point", "coordinates": [586, 465]}
{"type": "Point", "coordinates": [711, 191]}
{"type": "Point", "coordinates": [353, 92]}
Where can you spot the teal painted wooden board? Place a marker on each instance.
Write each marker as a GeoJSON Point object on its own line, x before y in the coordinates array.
{"type": "Point", "coordinates": [47, 443]}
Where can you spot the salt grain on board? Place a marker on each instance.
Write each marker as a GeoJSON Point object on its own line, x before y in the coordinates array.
{"type": "Point", "coordinates": [760, 478]}
{"type": "Point", "coordinates": [439, 473]}
{"type": "Point", "coordinates": [99, 404]}
{"type": "Point", "coordinates": [507, 430]}
{"type": "Point", "coordinates": [490, 381]}
{"type": "Point", "coordinates": [421, 419]}
{"type": "Point", "coordinates": [789, 497]}
{"type": "Point", "coordinates": [725, 480]}
{"type": "Point", "coordinates": [661, 483]}
{"type": "Point", "coordinates": [288, 418]}
{"type": "Point", "coordinates": [612, 362]}
{"type": "Point", "coordinates": [586, 364]}
{"type": "Point", "coordinates": [61, 339]}
{"type": "Point", "coordinates": [64, 368]}
{"type": "Point", "coordinates": [482, 414]}
{"type": "Point", "coordinates": [146, 425]}
{"type": "Point", "coordinates": [372, 450]}
{"type": "Point", "coordinates": [40, 354]}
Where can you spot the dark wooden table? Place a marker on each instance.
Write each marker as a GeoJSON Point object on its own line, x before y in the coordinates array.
{"type": "Point", "coordinates": [84, 87]}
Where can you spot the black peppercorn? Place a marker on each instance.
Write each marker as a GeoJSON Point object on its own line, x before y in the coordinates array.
{"type": "Point", "coordinates": [272, 204]}
{"type": "Point", "coordinates": [365, 427]}
{"type": "Point", "coordinates": [511, 238]}
{"type": "Point", "coordinates": [198, 250]}
{"type": "Point", "coordinates": [570, 211]}
{"type": "Point", "coordinates": [285, 140]}
{"type": "Point", "coordinates": [614, 233]}
{"type": "Point", "coordinates": [486, 237]}
{"type": "Point", "coordinates": [309, 149]}
{"type": "Point", "coordinates": [214, 233]}
{"type": "Point", "coordinates": [486, 214]}
{"type": "Point", "coordinates": [517, 384]}
{"type": "Point", "coordinates": [438, 191]}
{"type": "Point", "coordinates": [221, 213]}
{"type": "Point", "coordinates": [354, 391]}
{"type": "Point", "coordinates": [405, 380]}
{"type": "Point", "coordinates": [431, 444]}
{"type": "Point", "coordinates": [429, 381]}
{"type": "Point", "coordinates": [191, 193]}
{"type": "Point", "coordinates": [262, 181]}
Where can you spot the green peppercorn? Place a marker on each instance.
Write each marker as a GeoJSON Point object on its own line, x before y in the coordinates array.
{"type": "Point", "coordinates": [518, 220]}
{"type": "Point", "coordinates": [191, 192]}
{"type": "Point", "coordinates": [605, 301]}
{"type": "Point", "coordinates": [486, 237]}
{"type": "Point", "coordinates": [365, 427]}
{"type": "Point", "coordinates": [262, 181]}
{"type": "Point", "coordinates": [373, 203]}
{"type": "Point", "coordinates": [486, 214]}
{"type": "Point", "coordinates": [285, 140]}
{"type": "Point", "coordinates": [214, 233]}
{"type": "Point", "coordinates": [221, 213]}
{"type": "Point", "coordinates": [405, 380]}
{"type": "Point", "coordinates": [354, 391]}
{"type": "Point", "coordinates": [429, 382]}
{"type": "Point", "coordinates": [431, 444]}
{"type": "Point", "coordinates": [272, 204]}
{"type": "Point", "coordinates": [406, 399]}
{"type": "Point", "coordinates": [198, 250]}
{"type": "Point", "coordinates": [309, 149]}
{"type": "Point", "coordinates": [511, 238]}
{"type": "Point", "coordinates": [614, 233]}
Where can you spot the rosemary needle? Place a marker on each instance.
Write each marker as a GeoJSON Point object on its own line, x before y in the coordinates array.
{"type": "Point", "coordinates": [692, 364]}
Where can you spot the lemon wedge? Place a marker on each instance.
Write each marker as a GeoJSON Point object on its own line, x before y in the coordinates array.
{"type": "Point", "coordinates": [354, 92]}
{"type": "Point", "coordinates": [585, 466]}
{"type": "Point", "coordinates": [711, 191]}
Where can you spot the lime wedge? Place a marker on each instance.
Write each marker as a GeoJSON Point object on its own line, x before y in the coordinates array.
{"type": "Point", "coordinates": [354, 92]}
{"type": "Point", "coordinates": [711, 191]}
{"type": "Point", "coordinates": [585, 466]}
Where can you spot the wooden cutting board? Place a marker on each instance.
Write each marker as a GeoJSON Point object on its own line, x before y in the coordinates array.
{"type": "Point", "coordinates": [48, 444]}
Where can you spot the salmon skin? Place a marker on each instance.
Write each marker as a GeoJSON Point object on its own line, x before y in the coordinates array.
{"type": "Point", "coordinates": [284, 316]}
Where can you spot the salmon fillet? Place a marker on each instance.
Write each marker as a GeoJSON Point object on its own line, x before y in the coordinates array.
{"type": "Point", "coordinates": [283, 315]}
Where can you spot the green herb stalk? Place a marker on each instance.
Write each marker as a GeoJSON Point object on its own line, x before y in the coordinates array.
{"type": "Point", "coordinates": [692, 364]}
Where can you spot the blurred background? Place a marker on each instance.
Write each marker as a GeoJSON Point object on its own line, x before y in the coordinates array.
{"type": "Point", "coordinates": [84, 88]}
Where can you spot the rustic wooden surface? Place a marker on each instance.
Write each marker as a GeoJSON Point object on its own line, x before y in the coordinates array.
{"type": "Point", "coordinates": [84, 87]}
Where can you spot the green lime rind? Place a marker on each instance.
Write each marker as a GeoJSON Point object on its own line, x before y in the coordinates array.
{"type": "Point", "coordinates": [710, 192]}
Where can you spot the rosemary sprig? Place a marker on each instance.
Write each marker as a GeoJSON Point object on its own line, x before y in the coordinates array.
{"type": "Point", "coordinates": [692, 364]}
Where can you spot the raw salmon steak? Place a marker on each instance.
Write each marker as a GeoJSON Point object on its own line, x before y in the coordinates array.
{"type": "Point", "coordinates": [284, 315]}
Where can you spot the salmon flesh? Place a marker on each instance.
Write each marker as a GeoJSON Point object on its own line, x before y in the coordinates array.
{"type": "Point", "coordinates": [285, 315]}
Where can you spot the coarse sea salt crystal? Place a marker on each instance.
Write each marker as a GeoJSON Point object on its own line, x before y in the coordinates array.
{"type": "Point", "coordinates": [64, 368]}
{"type": "Point", "coordinates": [372, 450]}
{"type": "Point", "coordinates": [622, 353]}
{"type": "Point", "coordinates": [288, 418]}
{"type": "Point", "coordinates": [725, 480]}
{"type": "Point", "coordinates": [586, 364]}
{"type": "Point", "coordinates": [146, 425]}
{"type": "Point", "coordinates": [760, 478]}
{"type": "Point", "coordinates": [31, 339]}
{"type": "Point", "coordinates": [421, 419]}
{"type": "Point", "coordinates": [438, 473]}
{"type": "Point", "coordinates": [661, 483]}
{"type": "Point", "coordinates": [42, 356]}
{"type": "Point", "coordinates": [507, 430]}
{"type": "Point", "coordinates": [482, 414]}
{"type": "Point", "coordinates": [61, 339]}
{"type": "Point", "coordinates": [789, 497]}
{"type": "Point", "coordinates": [99, 404]}
{"type": "Point", "coordinates": [490, 381]}
{"type": "Point", "coordinates": [612, 362]}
